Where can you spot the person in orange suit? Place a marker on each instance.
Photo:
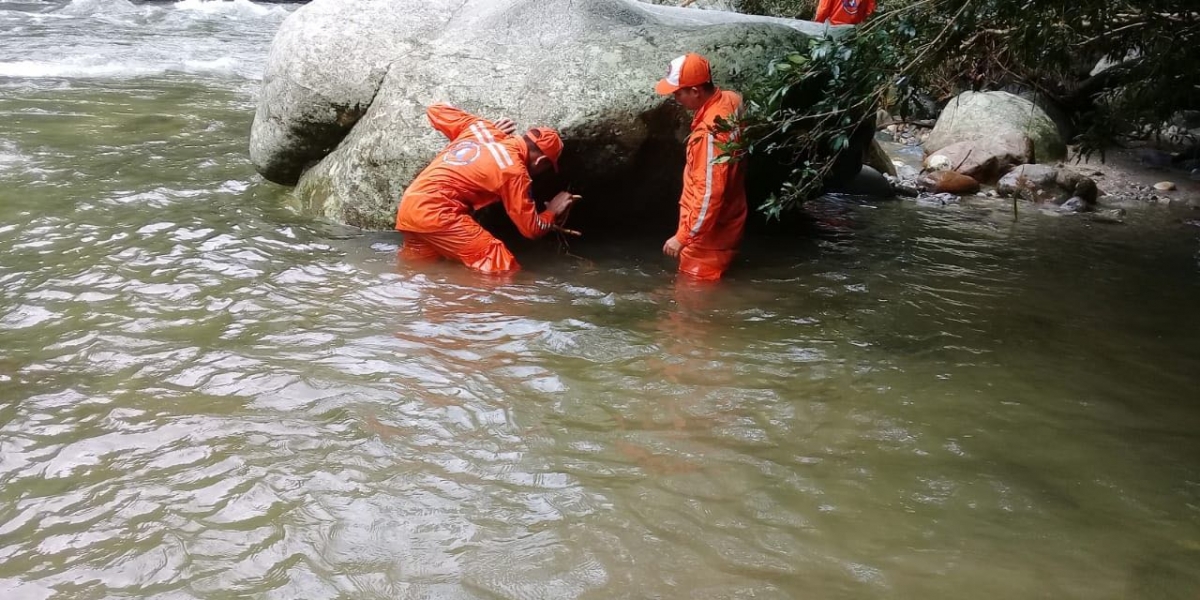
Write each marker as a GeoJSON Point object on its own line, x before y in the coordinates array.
{"type": "Point", "coordinates": [712, 207]}
{"type": "Point", "coordinates": [485, 162]}
{"type": "Point", "coordinates": [844, 12]}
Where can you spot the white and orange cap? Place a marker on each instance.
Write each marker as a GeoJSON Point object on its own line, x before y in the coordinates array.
{"type": "Point", "coordinates": [688, 70]}
{"type": "Point", "coordinates": [548, 141]}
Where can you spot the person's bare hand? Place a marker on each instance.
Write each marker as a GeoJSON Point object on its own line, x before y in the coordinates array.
{"type": "Point", "coordinates": [561, 204]}
{"type": "Point", "coordinates": [672, 247]}
{"type": "Point", "coordinates": [506, 125]}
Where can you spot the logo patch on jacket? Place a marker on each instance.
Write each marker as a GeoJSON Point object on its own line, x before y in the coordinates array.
{"type": "Point", "coordinates": [461, 153]}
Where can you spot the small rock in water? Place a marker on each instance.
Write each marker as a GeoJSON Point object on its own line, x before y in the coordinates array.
{"type": "Point", "coordinates": [937, 199]}
{"type": "Point", "coordinates": [907, 172]}
{"type": "Point", "coordinates": [1164, 186]}
{"type": "Point", "coordinates": [1075, 204]}
{"type": "Point", "coordinates": [1195, 174]}
{"type": "Point", "coordinates": [903, 187]}
{"type": "Point", "coordinates": [1112, 215]}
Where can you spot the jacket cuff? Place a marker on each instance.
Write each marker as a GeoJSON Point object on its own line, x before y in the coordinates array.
{"type": "Point", "coordinates": [683, 236]}
{"type": "Point", "coordinates": [545, 221]}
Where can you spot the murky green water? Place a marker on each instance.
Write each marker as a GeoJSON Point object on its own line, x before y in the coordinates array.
{"type": "Point", "coordinates": [203, 395]}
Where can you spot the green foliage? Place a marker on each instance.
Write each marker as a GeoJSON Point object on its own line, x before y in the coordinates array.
{"type": "Point", "coordinates": [810, 104]}
{"type": "Point", "coordinates": [814, 99]}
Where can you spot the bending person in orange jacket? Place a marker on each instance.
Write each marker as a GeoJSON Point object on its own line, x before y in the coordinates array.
{"type": "Point", "coordinates": [712, 207]}
{"type": "Point", "coordinates": [844, 12]}
{"type": "Point", "coordinates": [484, 163]}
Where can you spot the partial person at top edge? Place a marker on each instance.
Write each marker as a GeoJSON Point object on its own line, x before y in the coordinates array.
{"type": "Point", "coordinates": [844, 12]}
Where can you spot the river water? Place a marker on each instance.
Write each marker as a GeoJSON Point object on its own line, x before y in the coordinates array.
{"type": "Point", "coordinates": [204, 395]}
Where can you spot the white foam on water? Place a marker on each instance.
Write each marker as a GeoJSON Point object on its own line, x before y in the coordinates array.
{"type": "Point", "coordinates": [87, 8]}
{"type": "Point", "coordinates": [101, 67]}
{"type": "Point", "coordinates": [11, 158]}
{"type": "Point", "coordinates": [194, 9]}
{"type": "Point", "coordinates": [33, 69]}
{"type": "Point", "coordinates": [230, 8]}
{"type": "Point", "coordinates": [117, 39]}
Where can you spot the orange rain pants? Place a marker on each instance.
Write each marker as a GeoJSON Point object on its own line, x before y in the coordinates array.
{"type": "Point", "coordinates": [460, 238]}
{"type": "Point", "coordinates": [844, 12]}
{"type": "Point", "coordinates": [712, 207]}
{"type": "Point", "coordinates": [482, 165]}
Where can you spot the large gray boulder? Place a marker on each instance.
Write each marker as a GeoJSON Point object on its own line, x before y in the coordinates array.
{"type": "Point", "coordinates": [987, 116]}
{"type": "Point", "coordinates": [341, 112]}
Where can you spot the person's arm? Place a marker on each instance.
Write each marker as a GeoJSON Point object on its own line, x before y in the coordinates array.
{"type": "Point", "coordinates": [704, 188]}
{"type": "Point", "coordinates": [448, 120]}
{"type": "Point", "coordinates": [452, 121]}
{"type": "Point", "coordinates": [519, 205]}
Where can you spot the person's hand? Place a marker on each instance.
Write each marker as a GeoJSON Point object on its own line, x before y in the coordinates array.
{"type": "Point", "coordinates": [506, 125]}
{"type": "Point", "coordinates": [561, 204]}
{"type": "Point", "coordinates": [672, 247]}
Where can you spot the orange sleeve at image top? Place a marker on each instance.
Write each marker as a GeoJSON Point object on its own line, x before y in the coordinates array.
{"type": "Point", "coordinates": [844, 12]}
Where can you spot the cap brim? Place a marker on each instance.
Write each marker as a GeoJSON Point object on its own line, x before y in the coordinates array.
{"type": "Point", "coordinates": [665, 88]}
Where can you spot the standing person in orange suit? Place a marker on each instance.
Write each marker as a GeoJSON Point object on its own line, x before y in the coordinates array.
{"type": "Point", "coordinates": [844, 12]}
{"type": "Point", "coordinates": [483, 164]}
{"type": "Point", "coordinates": [712, 207]}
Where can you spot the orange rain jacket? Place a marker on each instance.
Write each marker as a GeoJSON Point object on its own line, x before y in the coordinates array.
{"type": "Point", "coordinates": [479, 167]}
{"type": "Point", "coordinates": [712, 208]}
{"type": "Point", "coordinates": [844, 12]}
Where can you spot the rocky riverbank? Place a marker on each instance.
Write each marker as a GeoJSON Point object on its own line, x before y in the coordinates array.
{"type": "Point", "coordinates": [999, 148]}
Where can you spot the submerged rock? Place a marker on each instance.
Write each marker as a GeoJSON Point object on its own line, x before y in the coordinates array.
{"type": "Point", "coordinates": [983, 116]}
{"type": "Point", "coordinates": [903, 187]}
{"type": "Point", "coordinates": [341, 113]}
{"type": "Point", "coordinates": [1075, 204]}
{"type": "Point", "coordinates": [1113, 216]}
{"type": "Point", "coordinates": [937, 199]}
{"type": "Point", "coordinates": [1165, 186]}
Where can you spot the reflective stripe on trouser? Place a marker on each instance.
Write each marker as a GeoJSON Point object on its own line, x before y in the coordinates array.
{"type": "Point", "coordinates": [463, 240]}
{"type": "Point", "coordinates": [704, 263]}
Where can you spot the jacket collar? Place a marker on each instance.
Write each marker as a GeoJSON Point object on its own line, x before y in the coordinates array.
{"type": "Point", "coordinates": [703, 112]}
